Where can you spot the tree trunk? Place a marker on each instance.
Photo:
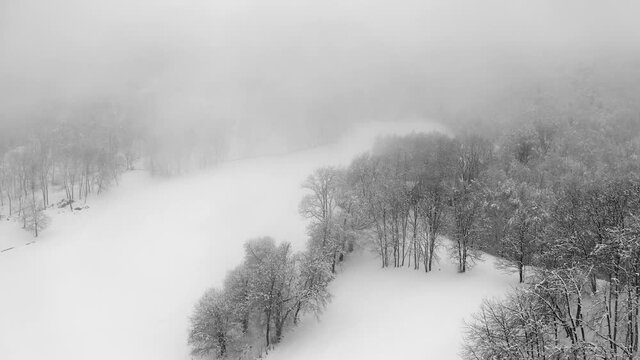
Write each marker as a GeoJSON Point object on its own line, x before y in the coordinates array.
{"type": "Point", "coordinates": [222, 343]}
{"type": "Point", "coordinates": [415, 232]}
{"type": "Point", "coordinates": [268, 335]}
{"type": "Point", "coordinates": [425, 255]}
{"type": "Point", "coordinates": [279, 327]}
{"type": "Point", "coordinates": [295, 315]}
{"type": "Point", "coordinates": [385, 259]}
{"type": "Point", "coordinates": [460, 255]}
{"type": "Point", "coordinates": [404, 235]}
{"type": "Point", "coordinates": [594, 282]}
{"type": "Point", "coordinates": [432, 245]}
{"type": "Point", "coordinates": [464, 257]}
{"type": "Point", "coordinates": [333, 261]}
{"type": "Point", "coordinates": [521, 272]}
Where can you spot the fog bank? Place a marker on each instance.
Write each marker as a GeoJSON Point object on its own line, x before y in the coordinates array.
{"type": "Point", "coordinates": [295, 71]}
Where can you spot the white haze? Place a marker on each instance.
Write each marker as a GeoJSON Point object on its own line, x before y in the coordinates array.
{"type": "Point", "coordinates": [283, 67]}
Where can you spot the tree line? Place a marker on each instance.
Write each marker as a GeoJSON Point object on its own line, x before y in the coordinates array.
{"type": "Point", "coordinates": [79, 157]}
{"type": "Point", "coordinates": [274, 286]}
{"type": "Point", "coordinates": [84, 150]}
{"type": "Point", "coordinates": [260, 298]}
{"type": "Point", "coordinates": [561, 205]}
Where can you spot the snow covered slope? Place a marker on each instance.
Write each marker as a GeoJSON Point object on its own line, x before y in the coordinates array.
{"type": "Point", "coordinates": [118, 281]}
{"type": "Point", "coordinates": [394, 313]}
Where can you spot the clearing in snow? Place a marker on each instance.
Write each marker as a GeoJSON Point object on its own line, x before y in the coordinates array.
{"type": "Point", "coordinates": [394, 313]}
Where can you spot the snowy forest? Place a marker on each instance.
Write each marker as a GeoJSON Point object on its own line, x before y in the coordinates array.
{"type": "Point", "coordinates": [84, 153]}
{"type": "Point", "coordinates": [556, 197]}
{"type": "Point", "coordinates": [319, 180]}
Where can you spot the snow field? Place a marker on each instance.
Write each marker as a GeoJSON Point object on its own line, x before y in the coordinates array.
{"type": "Point", "coordinates": [394, 313]}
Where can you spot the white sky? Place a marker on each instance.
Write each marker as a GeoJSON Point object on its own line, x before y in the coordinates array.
{"type": "Point", "coordinates": [291, 61]}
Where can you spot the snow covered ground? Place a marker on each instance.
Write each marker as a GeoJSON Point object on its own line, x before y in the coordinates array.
{"type": "Point", "coordinates": [394, 313]}
{"type": "Point", "coordinates": [119, 280]}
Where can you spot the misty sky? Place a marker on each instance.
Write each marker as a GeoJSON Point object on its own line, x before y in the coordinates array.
{"type": "Point", "coordinates": [290, 63]}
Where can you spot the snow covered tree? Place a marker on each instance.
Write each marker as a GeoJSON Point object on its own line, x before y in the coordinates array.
{"type": "Point", "coordinates": [521, 242]}
{"type": "Point", "coordinates": [473, 154]}
{"type": "Point", "coordinates": [620, 300]}
{"type": "Point", "coordinates": [313, 278]}
{"type": "Point", "coordinates": [524, 144]}
{"type": "Point", "coordinates": [320, 206]}
{"type": "Point", "coordinates": [212, 327]}
{"type": "Point", "coordinates": [583, 217]}
{"type": "Point", "coordinates": [271, 280]}
{"type": "Point", "coordinates": [261, 298]}
{"type": "Point", "coordinates": [550, 319]}
{"type": "Point", "coordinates": [433, 210]}
{"type": "Point", "coordinates": [236, 288]}
{"type": "Point", "coordinates": [466, 229]}
{"type": "Point", "coordinates": [364, 176]}
{"type": "Point", "coordinates": [519, 327]}
{"type": "Point", "coordinates": [34, 218]}
{"type": "Point", "coordinates": [498, 207]}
